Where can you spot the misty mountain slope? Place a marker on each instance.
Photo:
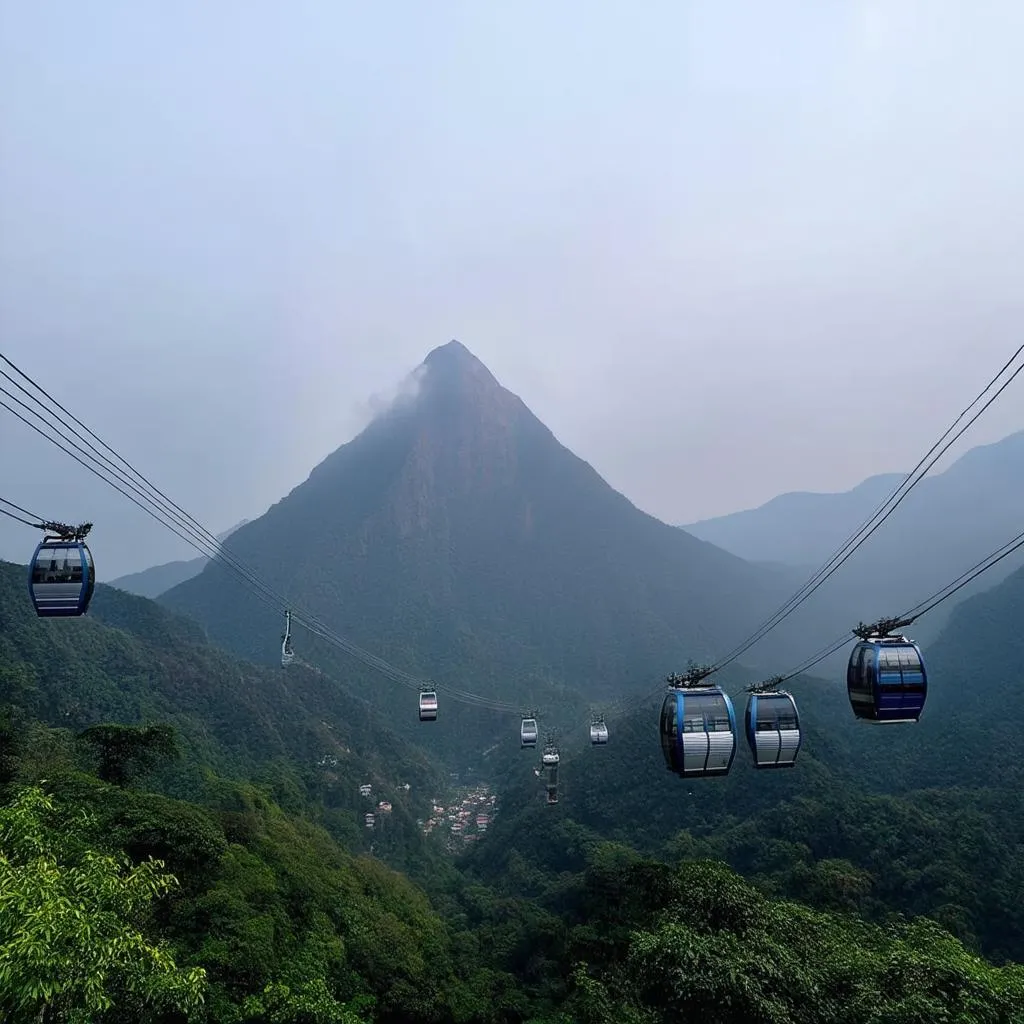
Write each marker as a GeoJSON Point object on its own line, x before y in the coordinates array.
{"type": "Point", "coordinates": [800, 528]}
{"type": "Point", "coordinates": [974, 732]}
{"type": "Point", "coordinates": [457, 536]}
{"type": "Point", "coordinates": [152, 582]}
{"type": "Point", "coordinates": [943, 527]}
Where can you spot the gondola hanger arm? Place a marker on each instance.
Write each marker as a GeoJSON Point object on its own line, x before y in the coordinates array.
{"type": "Point", "coordinates": [882, 628]}
{"type": "Point", "coordinates": [62, 531]}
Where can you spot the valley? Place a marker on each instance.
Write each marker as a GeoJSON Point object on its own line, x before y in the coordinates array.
{"type": "Point", "coordinates": [326, 754]}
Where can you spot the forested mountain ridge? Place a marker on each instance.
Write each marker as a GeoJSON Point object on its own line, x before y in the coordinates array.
{"type": "Point", "coordinates": [265, 921]}
{"type": "Point", "coordinates": [132, 661]}
{"type": "Point", "coordinates": [457, 538]}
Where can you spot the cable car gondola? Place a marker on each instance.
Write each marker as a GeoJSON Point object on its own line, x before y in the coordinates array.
{"type": "Point", "coordinates": [428, 706]}
{"type": "Point", "coordinates": [773, 729]}
{"type": "Point", "coordinates": [528, 733]}
{"type": "Point", "coordinates": [62, 577]}
{"type": "Point", "coordinates": [698, 731]}
{"type": "Point", "coordinates": [886, 679]}
{"type": "Point", "coordinates": [549, 759]}
{"type": "Point", "coordinates": [287, 654]}
{"type": "Point", "coordinates": [598, 732]}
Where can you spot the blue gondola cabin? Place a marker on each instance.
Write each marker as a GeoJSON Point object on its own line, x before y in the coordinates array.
{"type": "Point", "coordinates": [886, 680]}
{"type": "Point", "coordinates": [698, 732]}
{"type": "Point", "coordinates": [61, 578]}
{"type": "Point", "coordinates": [773, 729]}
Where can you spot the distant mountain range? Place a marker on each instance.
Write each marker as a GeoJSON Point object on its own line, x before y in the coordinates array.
{"type": "Point", "coordinates": [945, 525]}
{"type": "Point", "coordinates": [157, 579]}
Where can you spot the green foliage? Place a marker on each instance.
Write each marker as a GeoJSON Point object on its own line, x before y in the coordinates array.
{"type": "Point", "coordinates": [71, 943]}
{"type": "Point", "coordinates": [288, 927]}
{"type": "Point", "coordinates": [718, 951]}
{"type": "Point", "coordinates": [286, 920]}
{"type": "Point", "coordinates": [126, 752]}
{"type": "Point", "coordinates": [130, 664]}
{"type": "Point", "coordinates": [309, 1003]}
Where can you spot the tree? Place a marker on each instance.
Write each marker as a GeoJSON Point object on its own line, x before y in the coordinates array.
{"type": "Point", "coordinates": [70, 919]}
{"type": "Point", "coordinates": [128, 751]}
{"type": "Point", "coordinates": [311, 1003]}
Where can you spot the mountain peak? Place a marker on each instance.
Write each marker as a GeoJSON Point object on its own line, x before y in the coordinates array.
{"type": "Point", "coordinates": [450, 351]}
{"type": "Point", "coordinates": [454, 367]}
{"type": "Point", "coordinates": [457, 533]}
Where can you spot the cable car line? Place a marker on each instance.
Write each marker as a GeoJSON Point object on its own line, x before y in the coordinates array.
{"type": "Point", "coordinates": [886, 683]}
{"type": "Point", "coordinates": [97, 473]}
{"type": "Point", "coordinates": [965, 578]}
{"type": "Point", "coordinates": [214, 555]}
{"type": "Point", "coordinates": [183, 519]}
{"type": "Point", "coordinates": [856, 539]}
{"type": "Point", "coordinates": [101, 461]}
{"type": "Point", "coordinates": [685, 739]}
{"type": "Point", "coordinates": [20, 519]}
{"type": "Point", "coordinates": [149, 484]}
{"type": "Point", "coordinates": [627, 706]}
{"type": "Point", "coordinates": [208, 544]}
{"type": "Point", "coordinates": [882, 631]}
{"type": "Point", "coordinates": [886, 678]}
{"type": "Point", "coordinates": [633, 703]}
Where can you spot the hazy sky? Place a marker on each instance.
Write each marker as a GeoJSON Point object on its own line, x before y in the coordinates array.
{"type": "Point", "coordinates": [723, 249]}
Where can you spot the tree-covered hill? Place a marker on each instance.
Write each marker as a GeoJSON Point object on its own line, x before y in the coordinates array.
{"type": "Point", "coordinates": [133, 662]}
{"type": "Point", "coordinates": [248, 916]}
{"type": "Point", "coordinates": [653, 943]}
{"type": "Point", "coordinates": [262, 906]}
{"type": "Point", "coordinates": [284, 923]}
